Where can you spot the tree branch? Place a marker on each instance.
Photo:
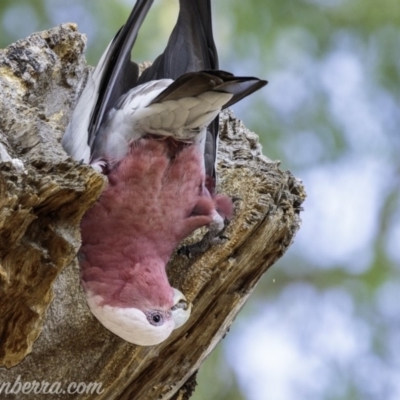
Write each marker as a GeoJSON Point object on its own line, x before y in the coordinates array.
{"type": "Point", "coordinates": [43, 195]}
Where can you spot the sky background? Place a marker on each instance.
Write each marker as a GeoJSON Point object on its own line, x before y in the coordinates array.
{"type": "Point", "coordinates": [324, 322]}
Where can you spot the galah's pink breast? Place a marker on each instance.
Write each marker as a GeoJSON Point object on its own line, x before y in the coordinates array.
{"type": "Point", "coordinates": [154, 199]}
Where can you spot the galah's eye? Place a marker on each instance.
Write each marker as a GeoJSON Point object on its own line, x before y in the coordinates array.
{"type": "Point", "coordinates": [156, 318]}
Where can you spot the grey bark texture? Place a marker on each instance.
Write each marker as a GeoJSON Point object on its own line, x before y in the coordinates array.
{"type": "Point", "coordinates": [46, 329]}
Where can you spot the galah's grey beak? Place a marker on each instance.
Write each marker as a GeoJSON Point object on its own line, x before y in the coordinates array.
{"type": "Point", "coordinates": [181, 309]}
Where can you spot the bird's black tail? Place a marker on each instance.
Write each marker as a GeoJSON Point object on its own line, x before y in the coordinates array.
{"type": "Point", "coordinates": [190, 47]}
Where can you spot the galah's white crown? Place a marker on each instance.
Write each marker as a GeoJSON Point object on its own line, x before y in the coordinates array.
{"type": "Point", "coordinates": [133, 324]}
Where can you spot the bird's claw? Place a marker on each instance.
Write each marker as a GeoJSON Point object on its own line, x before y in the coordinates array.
{"type": "Point", "coordinates": [215, 235]}
{"type": "Point", "coordinates": [185, 251]}
{"type": "Point", "coordinates": [220, 239]}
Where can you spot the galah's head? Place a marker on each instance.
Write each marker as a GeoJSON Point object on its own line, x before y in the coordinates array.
{"type": "Point", "coordinates": [134, 300]}
{"type": "Point", "coordinates": [145, 327]}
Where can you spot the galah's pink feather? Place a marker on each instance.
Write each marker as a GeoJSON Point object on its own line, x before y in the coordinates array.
{"type": "Point", "coordinates": [155, 198]}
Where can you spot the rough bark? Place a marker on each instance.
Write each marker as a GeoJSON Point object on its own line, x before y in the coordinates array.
{"type": "Point", "coordinates": [46, 330]}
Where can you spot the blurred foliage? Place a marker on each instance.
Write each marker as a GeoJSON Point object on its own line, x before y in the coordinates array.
{"type": "Point", "coordinates": [331, 114]}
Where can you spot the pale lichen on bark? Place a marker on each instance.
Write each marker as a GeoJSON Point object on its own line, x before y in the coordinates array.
{"type": "Point", "coordinates": [43, 195]}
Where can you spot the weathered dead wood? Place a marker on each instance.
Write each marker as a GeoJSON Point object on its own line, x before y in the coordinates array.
{"type": "Point", "coordinates": [43, 195]}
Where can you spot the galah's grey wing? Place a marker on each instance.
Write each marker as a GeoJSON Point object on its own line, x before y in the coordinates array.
{"type": "Point", "coordinates": [114, 75]}
{"type": "Point", "coordinates": [120, 72]}
{"type": "Point", "coordinates": [182, 109]}
{"type": "Point", "coordinates": [190, 48]}
{"type": "Point", "coordinates": [239, 87]}
{"type": "Point", "coordinates": [193, 84]}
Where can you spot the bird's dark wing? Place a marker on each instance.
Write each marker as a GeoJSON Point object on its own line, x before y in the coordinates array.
{"type": "Point", "coordinates": [114, 75]}
{"type": "Point", "coordinates": [120, 73]}
{"type": "Point", "coordinates": [190, 48]}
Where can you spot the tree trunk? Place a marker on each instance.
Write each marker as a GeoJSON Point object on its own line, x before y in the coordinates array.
{"type": "Point", "coordinates": [47, 331]}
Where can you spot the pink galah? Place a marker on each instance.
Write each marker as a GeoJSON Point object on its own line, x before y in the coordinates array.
{"type": "Point", "coordinates": [150, 140]}
{"type": "Point", "coordinates": [154, 200]}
